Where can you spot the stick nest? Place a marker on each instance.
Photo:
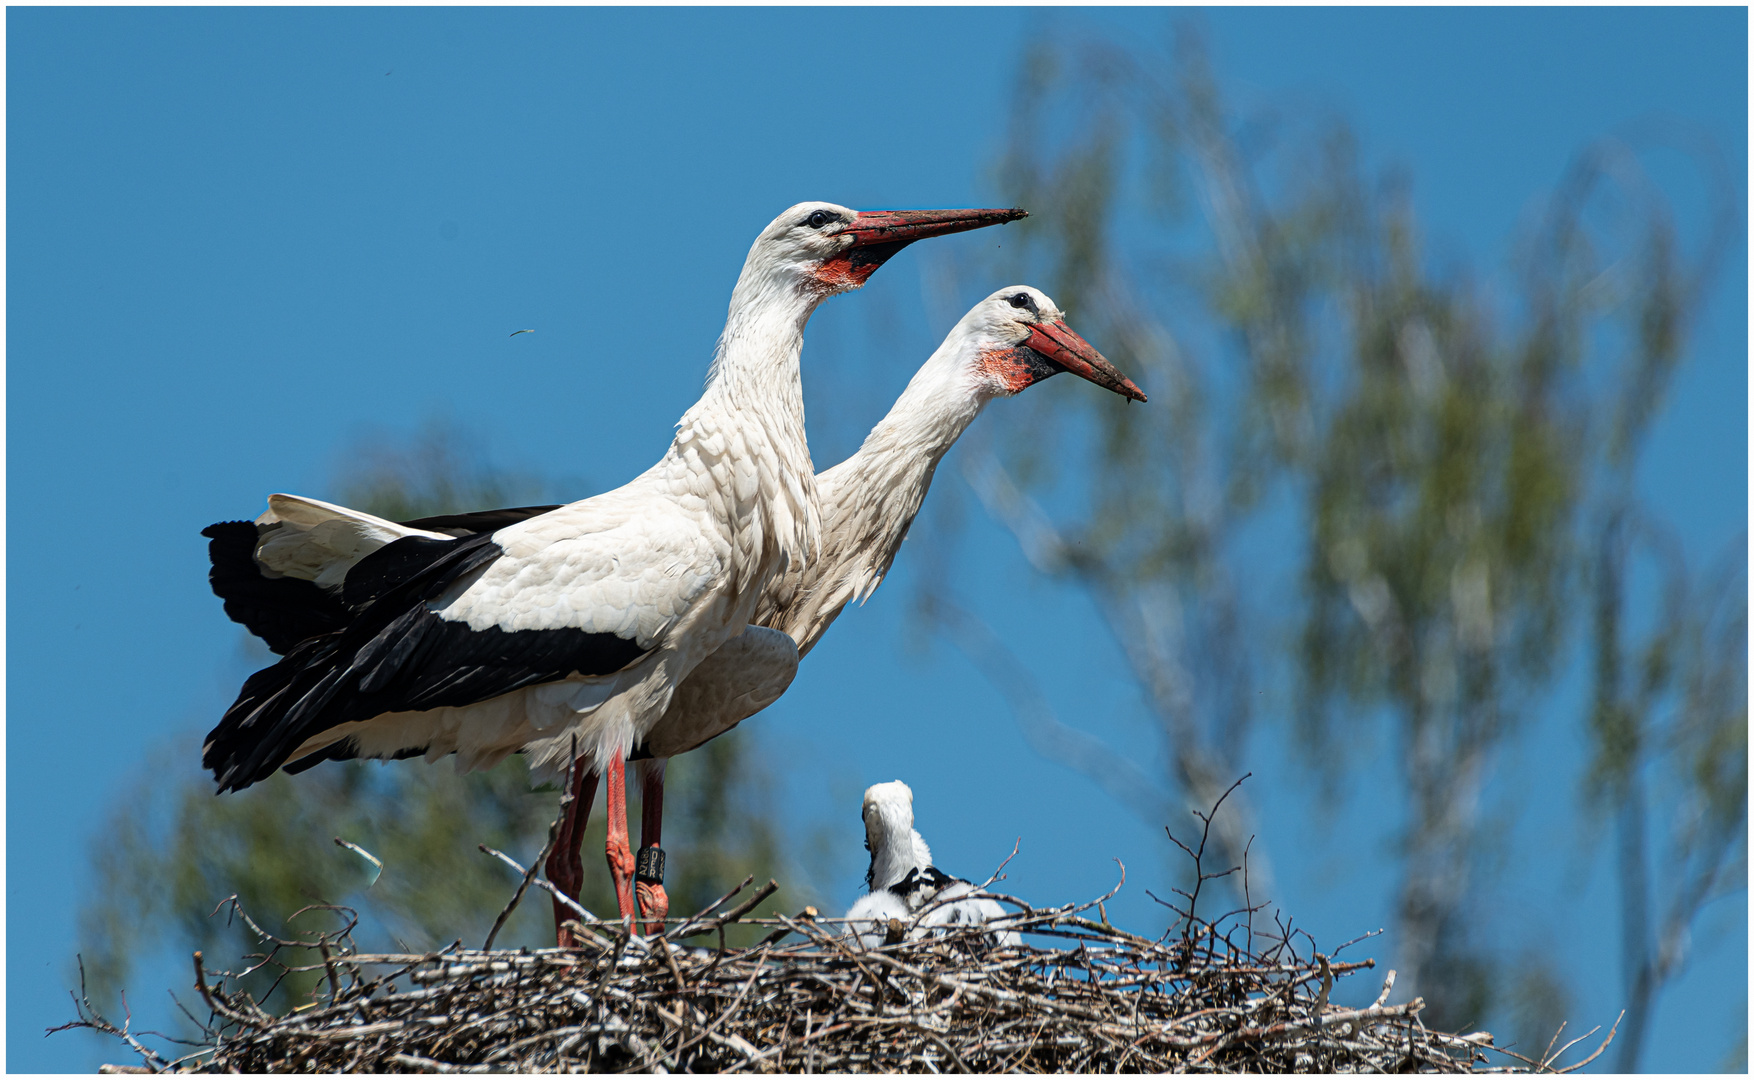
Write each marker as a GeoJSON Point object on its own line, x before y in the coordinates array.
{"type": "Point", "coordinates": [1073, 995]}
{"type": "Point", "coordinates": [1078, 996]}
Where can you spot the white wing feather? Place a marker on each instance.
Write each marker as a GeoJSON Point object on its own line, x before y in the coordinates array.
{"type": "Point", "coordinates": [319, 541]}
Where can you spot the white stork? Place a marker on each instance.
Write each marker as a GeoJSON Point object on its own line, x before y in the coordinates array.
{"type": "Point", "coordinates": [578, 623]}
{"type": "Point", "coordinates": [902, 882]}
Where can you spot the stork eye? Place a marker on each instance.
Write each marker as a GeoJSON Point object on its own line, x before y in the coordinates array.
{"type": "Point", "coordinates": [819, 218]}
{"type": "Point", "coordinates": [1022, 300]}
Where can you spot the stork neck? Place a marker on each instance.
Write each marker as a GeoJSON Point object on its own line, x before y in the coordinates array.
{"type": "Point", "coordinates": [900, 853]}
{"type": "Point", "coordinates": [932, 413]}
{"type": "Point", "coordinates": [763, 337]}
{"type": "Point", "coordinates": [749, 424]}
{"type": "Point", "coordinates": [900, 454]}
{"type": "Point", "coordinates": [870, 499]}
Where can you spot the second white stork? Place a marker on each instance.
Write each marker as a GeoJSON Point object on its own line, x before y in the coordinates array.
{"type": "Point", "coordinates": [580, 622]}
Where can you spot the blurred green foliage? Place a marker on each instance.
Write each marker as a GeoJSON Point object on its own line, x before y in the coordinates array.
{"type": "Point", "coordinates": [1445, 467]}
{"type": "Point", "coordinates": [172, 851]}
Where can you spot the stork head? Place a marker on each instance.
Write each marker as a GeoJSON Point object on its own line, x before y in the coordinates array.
{"type": "Point", "coordinates": [1018, 337]}
{"type": "Point", "coordinates": [889, 835]}
{"type": "Point", "coordinates": [826, 249]}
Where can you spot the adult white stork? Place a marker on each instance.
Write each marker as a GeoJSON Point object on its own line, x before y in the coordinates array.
{"type": "Point", "coordinates": [902, 882]}
{"type": "Point", "coordinates": [577, 623]}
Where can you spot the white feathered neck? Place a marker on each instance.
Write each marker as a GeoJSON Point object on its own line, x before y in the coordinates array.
{"type": "Point", "coordinates": [895, 846]}
{"type": "Point", "coordinates": [869, 500]}
{"type": "Point", "coordinates": [745, 435]}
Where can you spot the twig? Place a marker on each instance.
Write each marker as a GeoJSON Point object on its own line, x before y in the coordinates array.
{"type": "Point", "coordinates": [1000, 872]}
{"type": "Point", "coordinates": [367, 856]}
{"type": "Point", "coordinates": [736, 913]}
{"type": "Point", "coordinates": [207, 995]}
{"type": "Point", "coordinates": [329, 969]}
{"type": "Point", "coordinates": [788, 927]}
{"type": "Point", "coordinates": [566, 801]}
{"type": "Point", "coordinates": [1599, 1049]}
{"type": "Point", "coordinates": [712, 906]}
{"type": "Point", "coordinates": [615, 960]}
{"type": "Point", "coordinates": [1388, 983]}
{"type": "Point", "coordinates": [541, 883]}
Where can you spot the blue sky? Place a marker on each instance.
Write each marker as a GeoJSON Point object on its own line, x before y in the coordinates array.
{"type": "Point", "coordinates": [239, 237]}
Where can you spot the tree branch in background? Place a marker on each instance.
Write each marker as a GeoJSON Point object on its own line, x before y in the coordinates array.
{"type": "Point", "coordinates": [1349, 447]}
{"type": "Point", "coordinates": [1670, 715]}
{"type": "Point", "coordinates": [1047, 735]}
{"type": "Point", "coordinates": [1146, 620]}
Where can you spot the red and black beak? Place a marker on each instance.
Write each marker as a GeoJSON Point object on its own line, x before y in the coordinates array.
{"type": "Point", "coordinates": [1060, 345]}
{"type": "Point", "coordinates": [879, 234]}
{"type": "Point", "coordinates": [902, 227]}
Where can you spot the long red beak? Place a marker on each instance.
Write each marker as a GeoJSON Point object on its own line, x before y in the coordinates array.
{"type": "Point", "coordinates": [1061, 344]}
{"type": "Point", "coordinates": [878, 234]}
{"type": "Point", "coordinates": [901, 227]}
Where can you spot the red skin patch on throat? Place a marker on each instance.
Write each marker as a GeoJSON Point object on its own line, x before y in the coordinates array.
{"type": "Point", "coordinates": [840, 275]}
{"type": "Point", "coordinates": [1008, 369]}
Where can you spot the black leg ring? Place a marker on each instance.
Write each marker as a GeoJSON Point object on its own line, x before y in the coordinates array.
{"type": "Point", "coordinates": [648, 866]}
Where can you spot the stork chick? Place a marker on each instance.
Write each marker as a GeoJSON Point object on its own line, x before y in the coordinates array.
{"type": "Point", "coordinates": [903, 882]}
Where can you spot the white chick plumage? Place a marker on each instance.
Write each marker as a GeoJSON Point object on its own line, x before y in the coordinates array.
{"type": "Point", "coordinates": [905, 887]}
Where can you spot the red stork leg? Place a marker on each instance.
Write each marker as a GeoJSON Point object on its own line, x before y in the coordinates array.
{"type": "Point", "coordinates": [565, 869]}
{"type": "Point", "coordinates": [615, 845]}
{"type": "Point", "coordinates": [648, 875]}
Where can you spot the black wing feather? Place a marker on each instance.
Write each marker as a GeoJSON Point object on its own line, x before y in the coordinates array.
{"type": "Point", "coordinates": [921, 884]}
{"type": "Point", "coordinates": [284, 611]}
{"type": "Point", "coordinates": [281, 611]}
{"type": "Point", "coordinates": [395, 655]}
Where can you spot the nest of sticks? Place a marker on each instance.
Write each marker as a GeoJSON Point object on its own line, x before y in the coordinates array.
{"type": "Point", "coordinates": [1075, 995]}
{"type": "Point", "coordinates": [808, 999]}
